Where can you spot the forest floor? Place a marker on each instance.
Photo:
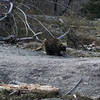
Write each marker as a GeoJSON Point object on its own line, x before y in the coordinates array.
{"type": "Point", "coordinates": [24, 65]}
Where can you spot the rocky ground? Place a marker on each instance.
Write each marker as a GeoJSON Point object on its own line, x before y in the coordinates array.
{"type": "Point", "coordinates": [63, 72]}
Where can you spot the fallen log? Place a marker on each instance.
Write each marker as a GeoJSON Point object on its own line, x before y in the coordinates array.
{"type": "Point", "coordinates": [41, 91]}
{"type": "Point", "coordinates": [34, 88]}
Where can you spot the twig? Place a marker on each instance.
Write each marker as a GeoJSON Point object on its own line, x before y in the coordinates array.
{"type": "Point", "coordinates": [24, 5]}
{"type": "Point", "coordinates": [13, 30]}
{"type": "Point", "coordinates": [38, 33]}
{"type": "Point", "coordinates": [69, 92]}
{"type": "Point", "coordinates": [60, 37]}
{"type": "Point", "coordinates": [3, 18]}
{"type": "Point", "coordinates": [14, 92]}
{"type": "Point", "coordinates": [41, 25]}
{"type": "Point", "coordinates": [11, 8]}
{"type": "Point", "coordinates": [15, 24]}
{"type": "Point", "coordinates": [26, 21]}
{"type": "Point", "coordinates": [9, 11]}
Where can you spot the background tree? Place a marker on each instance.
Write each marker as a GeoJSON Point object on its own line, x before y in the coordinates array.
{"type": "Point", "coordinates": [55, 6]}
{"type": "Point", "coordinates": [92, 9]}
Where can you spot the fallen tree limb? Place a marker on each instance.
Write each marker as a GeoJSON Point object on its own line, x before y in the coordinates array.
{"type": "Point", "coordinates": [26, 21]}
{"type": "Point", "coordinates": [42, 25]}
{"type": "Point", "coordinates": [29, 88]}
{"type": "Point", "coordinates": [13, 39]}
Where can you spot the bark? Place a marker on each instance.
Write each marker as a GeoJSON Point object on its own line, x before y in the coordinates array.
{"type": "Point", "coordinates": [29, 88]}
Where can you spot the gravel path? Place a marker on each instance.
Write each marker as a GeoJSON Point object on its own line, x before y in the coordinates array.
{"type": "Point", "coordinates": [35, 67]}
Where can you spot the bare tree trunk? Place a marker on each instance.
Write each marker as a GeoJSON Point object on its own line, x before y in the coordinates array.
{"type": "Point", "coordinates": [36, 90]}
{"type": "Point", "coordinates": [55, 7]}
{"type": "Point", "coordinates": [69, 3]}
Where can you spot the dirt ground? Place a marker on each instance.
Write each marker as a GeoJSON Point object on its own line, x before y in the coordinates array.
{"type": "Point", "coordinates": [63, 72]}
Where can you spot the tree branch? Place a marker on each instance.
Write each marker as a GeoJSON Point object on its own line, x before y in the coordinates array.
{"type": "Point", "coordinates": [41, 25]}
{"type": "Point", "coordinates": [26, 21]}
{"type": "Point", "coordinates": [9, 11]}
{"type": "Point", "coordinates": [60, 37]}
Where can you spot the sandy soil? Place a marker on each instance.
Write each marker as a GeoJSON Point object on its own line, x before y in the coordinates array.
{"type": "Point", "coordinates": [35, 67]}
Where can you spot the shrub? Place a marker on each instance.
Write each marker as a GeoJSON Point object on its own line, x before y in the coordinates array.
{"type": "Point", "coordinates": [92, 9]}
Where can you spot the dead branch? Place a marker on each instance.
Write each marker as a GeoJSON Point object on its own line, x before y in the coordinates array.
{"type": "Point", "coordinates": [69, 92]}
{"type": "Point", "coordinates": [26, 39]}
{"type": "Point", "coordinates": [41, 46]}
{"type": "Point", "coordinates": [60, 37]}
{"type": "Point", "coordinates": [9, 11]}
{"type": "Point", "coordinates": [26, 6]}
{"type": "Point", "coordinates": [41, 25]}
{"type": "Point", "coordinates": [26, 28]}
{"type": "Point", "coordinates": [15, 24]}
{"type": "Point", "coordinates": [13, 39]}
{"type": "Point", "coordinates": [26, 21]}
